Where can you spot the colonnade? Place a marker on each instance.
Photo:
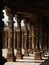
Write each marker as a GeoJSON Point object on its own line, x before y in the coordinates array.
{"type": "Point", "coordinates": [34, 38]}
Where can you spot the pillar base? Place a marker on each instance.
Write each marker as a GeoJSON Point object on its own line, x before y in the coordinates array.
{"type": "Point", "coordinates": [48, 50]}
{"type": "Point", "coordinates": [19, 54]}
{"type": "Point", "coordinates": [41, 53]}
{"type": "Point", "coordinates": [10, 56]}
{"type": "Point", "coordinates": [30, 51]}
{"type": "Point", "coordinates": [44, 52]}
{"type": "Point", "coordinates": [26, 53]}
{"type": "Point", "coordinates": [37, 55]}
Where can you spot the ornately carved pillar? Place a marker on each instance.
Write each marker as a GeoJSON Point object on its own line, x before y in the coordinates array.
{"type": "Point", "coordinates": [19, 41]}
{"type": "Point", "coordinates": [26, 53]}
{"type": "Point", "coordinates": [22, 39]}
{"type": "Point", "coordinates": [10, 54]}
{"type": "Point", "coordinates": [33, 38]}
{"type": "Point", "coordinates": [37, 47]}
{"type": "Point", "coordinates": [6, 39]}
{"type": "Point", "coordinates": [30, 38]}
{"type": "Point", "coordinates": [48, 40]}
{"type": "Point", "coordinates": [45, 40]}
{"type": "Point", "coordinates": [3, 39]}
{"type": "Point", "coordinates": [16, 39]}
{"type": "Point", "coordinates": [25, 39]}
{"type": "Point", "coordinates": [41, 37]}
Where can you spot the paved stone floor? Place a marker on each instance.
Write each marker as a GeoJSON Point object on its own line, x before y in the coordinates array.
{"type": "Point", "coordinates": [28, 60]}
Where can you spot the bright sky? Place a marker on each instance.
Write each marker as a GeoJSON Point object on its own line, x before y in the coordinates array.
{"type": "Point", "coordinates": [5, 19]}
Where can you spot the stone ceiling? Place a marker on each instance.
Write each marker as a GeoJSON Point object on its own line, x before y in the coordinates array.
{"type": "Point", "coordinates": [31, 6]}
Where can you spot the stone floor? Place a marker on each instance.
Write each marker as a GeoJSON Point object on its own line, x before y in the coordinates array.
{"type": "Point", "coordinates": [28, 60]}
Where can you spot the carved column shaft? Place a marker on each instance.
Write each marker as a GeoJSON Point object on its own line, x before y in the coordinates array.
{"type": "Point", "coordinates": [10, 54]}
{"type": "Point", "coordinates": [3, 39]}
{"type": "Point", "coordinates": [29, 38]}
{"type": "Point", "coordinates": [48, 40]}
{"type": "Point", "coordinates": [22, 40]}
{"type": "Point", "coordinates": [33, 38]}
{"type": "Point", "coordinates": [37, 43]}
{"type": "Point", "coordinates": [15, 39]}
{"type": "Point", "coordinates": [26, 53]}
{"type": "Point", "coordinates": [27, 33]}
{"type": "Point", "coordinates": [19, 38]}
{"type": "Point", "coordinates": [37, 37]}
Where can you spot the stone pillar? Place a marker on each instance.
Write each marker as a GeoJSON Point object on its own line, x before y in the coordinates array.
{"type": "Point", "coordinates": [48, 40]}
{"type": "Point", "coordinates": [26, 53]}
{"type": "Point", "coordinates": [16, 39]}
{"type": "Point", "coordinates": [37, 53]}
{"type": "Point", "coordinates": [19, 41]}
{"type": "Point", "coordinates": [3, 39]}
{"type": "Point", "coordinates": [25, 39]}
{"type": "Point", "coordinates": [6, 39]}
{"type": "Point", "coordinates": [45, 40]}
{"type": "Point", "coordinates": [10, 54]}
{"type": "Point", "coordinates": [41, 38]}
{"type": "Point", "coordinates": [22, 40]}
{"type": "Point", "coordinates": [33, 38]}
{"type": "Point", "coordinates": [30, 38]}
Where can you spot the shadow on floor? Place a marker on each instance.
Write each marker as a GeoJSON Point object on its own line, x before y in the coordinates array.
{"type": "Point", "coordinates": [46, 62]}
{"type": "Point", "coordinates": [3, 60]}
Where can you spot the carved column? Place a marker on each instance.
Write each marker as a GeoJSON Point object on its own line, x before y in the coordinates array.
{"type": "Point", "coordinates": [16, 39]}
{"type": "Point", "coordinates": [6, 39]}
{"type": "Point", "coordinates": [24, 37]}
{"type": "Point", "coordinates": [19, 41]}
{"type": "Point", "coordinates": [37, 43]}
{"type": "Point", "coordinates": [26, 53]}
{"type": "Point", "coordinates": [10, 54]}
{"type": "Point", "coordinates": [41, 37]}
{"type": "Point", "coordinates": [45, 40]}
{"type": "Point", "coordinates": [33, 38]}
{"type": "Point", "coordinates": [48, 40]}
{"type": "Point", "coordinates": [3, 39]}
{"type": "Point", "coordinates": [30, 38]}
{"type": "Point", "coordinates": [22, 40]}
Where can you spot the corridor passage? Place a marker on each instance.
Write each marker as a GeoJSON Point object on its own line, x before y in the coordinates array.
{"type": "Point", "coordinates": [26, 44]}
{"type": "Point", "coordinates": [28, 60]}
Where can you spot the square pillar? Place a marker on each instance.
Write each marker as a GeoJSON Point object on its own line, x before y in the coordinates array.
{"type": "Point", "coordinates": [10, 53]}
{"type": "Point", "coordinates": [19, 38]}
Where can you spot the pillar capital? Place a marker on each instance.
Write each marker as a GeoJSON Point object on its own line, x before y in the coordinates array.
{"type": "Point", "coordinates": [8, 11]}
{"type": "Point", "coordinates": [18, 18]}
{"type": "Point", "coordinates": [25, 21]}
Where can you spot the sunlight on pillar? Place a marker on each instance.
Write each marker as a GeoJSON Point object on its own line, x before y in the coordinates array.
{"type": "Point", "coordinates": [15, 24]}
{"type": "Point", "coordinates": [5, 19]}
{"type": "Point", "coordinates": [22, 22]}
